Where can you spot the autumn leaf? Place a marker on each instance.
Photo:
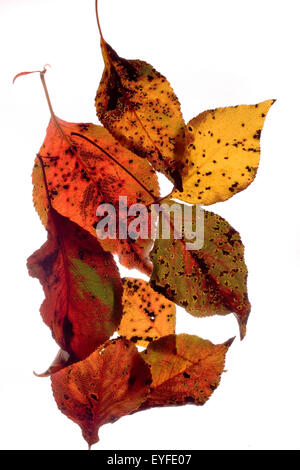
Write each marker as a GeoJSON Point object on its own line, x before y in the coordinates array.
{"type": "Point", "coordinates": [80, 177]}
{"type": "Point", "coordinates": [147, 315]}
{"type": "Point", "coordinates": [223, 152]}
{"type": "Point", "coordinates": [206, 281]}
{"type": "Point", "coordinates": [185, 369]}
{"type": "Point", "coordinates": [139, 108]}
{"type": "Point", "coordinates": [82, 286]}
{"type": "Point", "coordinates": [112, 382]}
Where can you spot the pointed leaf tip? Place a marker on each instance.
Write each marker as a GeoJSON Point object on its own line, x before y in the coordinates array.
{"type": "Point", "coordinates": [243, 329]}
{"type": "Point", "coordinates": [229, 342]}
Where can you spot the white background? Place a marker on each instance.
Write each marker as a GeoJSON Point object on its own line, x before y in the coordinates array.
{"type": "Point", "coordinates": [214, 53]}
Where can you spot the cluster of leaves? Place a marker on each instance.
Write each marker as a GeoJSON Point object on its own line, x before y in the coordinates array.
{"type": "Point", "coordinates": [95, 379]}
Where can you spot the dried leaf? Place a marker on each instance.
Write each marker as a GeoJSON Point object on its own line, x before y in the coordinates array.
{"type": "Point", "coordinates": [147, 315]}
{"type": "Point", "coordinates": [138, 106]}
{"type": "Point", "coordinates": [185, 369]}
{"type": "Point", "coordinates": [223, 151]}
{"type": "Point", "coordinates": [207, 281]}
{"type": "Point", "coordinates": [80, 177]}
{"type": "Point", "coordinates": [82, 285]}
{"type": "Point", "coordinates": [111, 383]}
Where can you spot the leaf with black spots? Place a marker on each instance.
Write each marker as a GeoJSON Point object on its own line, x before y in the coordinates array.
{"type": "Point", "coordinates": [223, 152]}
{"type": "Point", "coordinates": [81, 177]}
{"type": "Point", "coordinates": [147, 315]}
{"type": "Point", "coordinates": [208, 280]}
{"type": "Point", "coordinates": [139, 108]}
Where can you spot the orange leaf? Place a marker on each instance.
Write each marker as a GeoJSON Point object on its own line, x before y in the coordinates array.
{"type": "Point", "coordinates": [138, 106]}
{"type": "Point", "coordinates": [80, 177]}
{"type": "Point", "coordinates": [147, 315]}
{"type": "Point", "coordinates": [185, 369]}
{"type": "Point", "coordinates": [111, 383]}
{"type": "Point", "coordinates": [82, 286]}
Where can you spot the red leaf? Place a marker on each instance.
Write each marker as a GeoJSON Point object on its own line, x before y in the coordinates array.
{"type": "Point", "coordinates": [82, 285]}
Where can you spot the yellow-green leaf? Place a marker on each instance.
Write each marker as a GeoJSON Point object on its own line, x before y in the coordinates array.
{"type": "Point", "coordinates": [210, 279]}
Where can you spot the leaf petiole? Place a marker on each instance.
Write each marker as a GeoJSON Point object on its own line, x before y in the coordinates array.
{"type": "Point", "coordinates": [42, 77]}
{"type": "Point", "coordinates": [98, 22]}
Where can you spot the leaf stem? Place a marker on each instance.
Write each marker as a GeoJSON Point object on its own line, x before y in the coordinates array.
{"type": "Point", "coordinates": [98, 21]}
{"type": "Point", "coordinates": [42, 77]}
{"type": "Point", "coordinates": [63, 135]}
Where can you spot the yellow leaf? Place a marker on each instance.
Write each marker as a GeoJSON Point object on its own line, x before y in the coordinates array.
{"type": "Point", "coordinates": [147, 315]}
{"type": "Point", "coordinates": [223, 151]}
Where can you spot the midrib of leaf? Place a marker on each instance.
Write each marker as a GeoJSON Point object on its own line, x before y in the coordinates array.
{"type": "Point", "coordinates": [133, 246]}
{"type": "Point", "coordinates": [117, 163]}
{"type": "Point", "coordinates": [59, 237]}
{"type": "Point", "coordinates": [99, 191]}
{"type": "Point", "coordinates": [67, 273]}
{"type": "Point", "coordinates": [207, 276]}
